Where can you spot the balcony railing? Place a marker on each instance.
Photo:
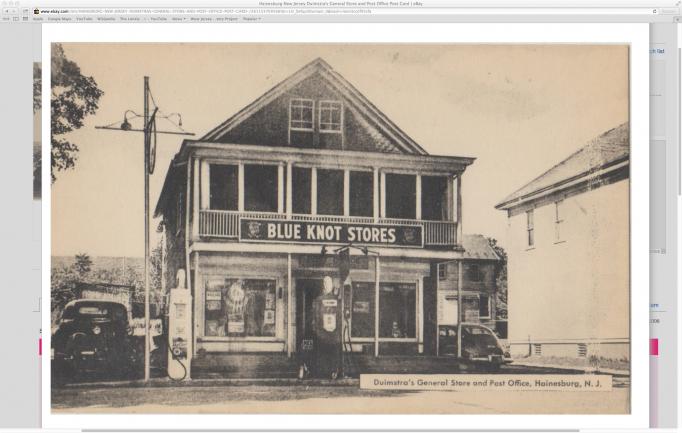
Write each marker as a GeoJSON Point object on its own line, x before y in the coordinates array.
{"type": "Point", "coordinates": [225, 224]}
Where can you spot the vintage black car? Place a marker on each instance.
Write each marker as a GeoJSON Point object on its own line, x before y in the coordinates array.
{"type": "Point", "coordinates": [480, 345]}
{"type": "Point", "coordinates": [93, 335]}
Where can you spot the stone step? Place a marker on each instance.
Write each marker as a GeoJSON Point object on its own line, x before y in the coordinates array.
{"type": "Point", "coordinates": [278, 365]}
{"type": "Point", "coordinates": [244, 366]}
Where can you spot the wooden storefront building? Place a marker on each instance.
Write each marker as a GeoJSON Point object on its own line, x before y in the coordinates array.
{"type": "Point", "coordinates": [257, 208]}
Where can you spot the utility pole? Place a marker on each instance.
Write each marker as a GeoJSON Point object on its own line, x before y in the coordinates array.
{"type": "Point", "coordinates": [149, 131]}
{"type": "Point", "coordinates": [147, 337]}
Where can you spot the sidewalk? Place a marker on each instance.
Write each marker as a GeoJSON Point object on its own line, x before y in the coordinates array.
{"type": "Point", "coordinates": [577, 368]}
{"type": "Point", "coordinates": [166, 382]}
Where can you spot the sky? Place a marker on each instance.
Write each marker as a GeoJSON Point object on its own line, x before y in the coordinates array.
{"type": "Point", "coordinates": [518, 109]}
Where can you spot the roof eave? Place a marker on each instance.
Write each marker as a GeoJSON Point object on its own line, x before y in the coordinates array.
{"type": "Point", "coordinates": [464, 161]}
{"type": "Point", "coordinates": [563, 184]}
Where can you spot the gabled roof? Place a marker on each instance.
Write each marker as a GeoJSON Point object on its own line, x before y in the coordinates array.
{"type": "Point", "coordinates": [356, 100]}
{"type": "Point", "coordinates": [610, 148]}
{"type": "Point", "coordinates": [477, 247]}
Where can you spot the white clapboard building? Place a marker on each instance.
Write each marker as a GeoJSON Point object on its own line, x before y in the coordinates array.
{"type": "Point", "coordinates": [568, 254]}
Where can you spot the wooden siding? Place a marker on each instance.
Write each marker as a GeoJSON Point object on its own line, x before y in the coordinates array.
{"type": "Point", "coordinates": [174, 230]}
{"type": "Point", "coordinates": [269, 125]}
{"type": "Point", "coordinates": [486, 284]}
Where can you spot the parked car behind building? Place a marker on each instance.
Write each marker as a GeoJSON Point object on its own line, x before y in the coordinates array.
{"type": "Point", "coordinates": [480, 345]}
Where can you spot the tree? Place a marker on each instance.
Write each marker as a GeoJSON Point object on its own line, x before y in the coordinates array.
{"type": "Point", "coordinates": [155, 268]}
{"type": "Point", "coordinates": [500, 279]}
{"type": "Point", "coordinates": [74, 96]}
{"type": "Point", "coordinates": [37, 86]}
{"type": "Point", "coordinates": [63, 290]}
{"type": "Point", "coordinates": [83, 265]}
{"type": "Point", "coordinates": [37, 157]}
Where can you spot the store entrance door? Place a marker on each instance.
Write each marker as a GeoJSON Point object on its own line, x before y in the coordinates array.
{"type": "Point", "coordinates": [306, 292]}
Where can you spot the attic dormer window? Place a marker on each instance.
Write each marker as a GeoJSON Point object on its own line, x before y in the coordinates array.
{"type": "Point", "coordinates": [331, 116]}
{"type": "Point", "coordinates": [301, 114]}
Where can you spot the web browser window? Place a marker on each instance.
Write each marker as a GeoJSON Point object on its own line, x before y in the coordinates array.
{"type": "Point", "coordinates": [354, 215]}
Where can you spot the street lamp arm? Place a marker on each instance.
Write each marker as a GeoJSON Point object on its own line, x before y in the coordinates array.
{"type": "Point", "coordinates": [142, 130]}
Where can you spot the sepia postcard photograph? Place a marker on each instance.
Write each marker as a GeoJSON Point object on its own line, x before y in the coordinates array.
{"type": "Point", "coordinates": [356, 228]}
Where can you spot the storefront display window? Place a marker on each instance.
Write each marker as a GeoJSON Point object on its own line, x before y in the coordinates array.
{"type": "Point", "coordinates": [240, 307]}
{"type": "Point", "coordinates": [397, 311]}
{"type": "Point", "coordinates": [362, 319]}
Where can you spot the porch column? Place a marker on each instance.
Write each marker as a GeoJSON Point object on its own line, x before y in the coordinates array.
{"type": "Point", "coordinates": [289, 205]}
{"type": "Point", "coordinates": [205, 199]}
{"type": "Point", "coordinates": [458, 204]}
{"type": "Point", "coordinates": [346, 192]}
{"type": "Point", "coordinates": [453, 198]}
{"type": "Point", "coordinates": [280, 189]}
{"type": "Point", "coordinates": [199, 322]}
{"type": "Point", "coordinates": [240, 187]}
{"type": "Point", "coordinates": [420, 315]}
{"type": "Point", "coordinates": [377, 278]}
{"type": "Point", "coordinates": [449, 198]}
{"type": "Point", "coordinates": [313, 191]}
{"type": "Point", "coordinates": [418, 196]}
{"type": "Point", "coordinates": [375, 195]}
{"type": "Point", "coordinates": [195, 199]}
{"type": "Point", "coordinates": [382, 187]}
{"type": "Point", "coordinates": [290, 310]}
{"type": "Point", "coordinates": [188, 190]}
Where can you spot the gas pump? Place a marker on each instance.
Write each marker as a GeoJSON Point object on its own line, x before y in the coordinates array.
{"type": "Point", "coordinates": [327, 327]}
{"type": "Point", "coordinates": [179, 330]}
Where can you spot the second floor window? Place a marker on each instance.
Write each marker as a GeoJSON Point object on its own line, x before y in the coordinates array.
{"type": "Point", "coordinates": [223, 187]}
{"type": "Point", "coordinates": [558, 220]}
{"type": "Point", "coordinates": [301, 114]}
{"type": "Point", "coordinates": [484, 304]}
{"type": "Point", "coordinates": [331, 116]}
{"type": "Point", "coordinates": [300, 183]}
{"type": "Point", "coordinates": [401, 196]}
{"type": "Point", "coordinates": [260, 188]}
{"type": "Point", "coordinates": [329, 192]}
{"type": "Point", "coordinates": [530, 228]}
{"type": "Point", "coordinates": [474, 273]}
{"type": "Point", "coordinates": [361, 195]}
{"type": "Point", "coordinates": [434, 198]}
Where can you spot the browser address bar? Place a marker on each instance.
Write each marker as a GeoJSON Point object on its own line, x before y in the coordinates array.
{"type": "Point", "coordinates": [352, 10]}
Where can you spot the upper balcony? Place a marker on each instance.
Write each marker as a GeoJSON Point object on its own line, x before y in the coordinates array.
{"type": "Point", "coordinates": [291, 201]}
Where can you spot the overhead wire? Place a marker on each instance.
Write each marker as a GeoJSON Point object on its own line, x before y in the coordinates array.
{"type": "Point", "coordinates": [162, 115]}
